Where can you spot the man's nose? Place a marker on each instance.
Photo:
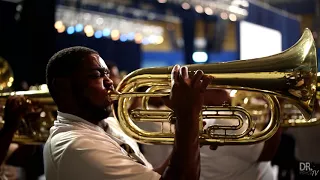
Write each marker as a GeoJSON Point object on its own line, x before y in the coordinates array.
{"type": "Point", "coordinates": [107, 82]}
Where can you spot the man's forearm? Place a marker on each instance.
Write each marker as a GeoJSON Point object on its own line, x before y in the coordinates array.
{"type": "Point", "coordinates": [185, 159]}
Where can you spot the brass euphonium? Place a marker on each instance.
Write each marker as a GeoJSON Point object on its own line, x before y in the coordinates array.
{"type": "Point", "coordinates": [291, 75]}
{"type": "Point", "coordinates": [34, 126]}
{"type": "Point", "coordinates": [39, 116]}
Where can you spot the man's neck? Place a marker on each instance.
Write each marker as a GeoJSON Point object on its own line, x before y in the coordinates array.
{"type": "Point", "coordinates": [88, 116]}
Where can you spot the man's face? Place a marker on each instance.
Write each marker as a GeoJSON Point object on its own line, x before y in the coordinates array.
{"type": "Point", "coordinates": [91, 84]}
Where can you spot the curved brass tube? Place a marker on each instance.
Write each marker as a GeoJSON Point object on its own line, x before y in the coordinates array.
{"type": "Point", "coordinates": [291, 75]}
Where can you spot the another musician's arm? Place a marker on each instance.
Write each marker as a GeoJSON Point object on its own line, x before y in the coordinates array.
{"type": "Point", "coordinates": [12, 113]}
{"type": "Point", "coordinates": [6, 135]}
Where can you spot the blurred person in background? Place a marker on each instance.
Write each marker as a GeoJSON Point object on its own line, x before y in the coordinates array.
{"type": "Point", "coordinates": [114, 72]}
{"type": "Point", "coordinates": [284, 157]}
{"type": "Point", "coordinates": [12, 116]}
{"type": "Point", "coordinates": [307, 149]}
{"type": "Point", "coordinates": [236, 162]}
{"type": "Point", "coordinates": [155, 154]}
{"type": "Point", "coordinates": [20, 161]}
{"type": "Point", "coordinates": [24, 86]}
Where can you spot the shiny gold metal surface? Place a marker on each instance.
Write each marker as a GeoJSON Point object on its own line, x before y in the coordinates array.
{"type": "Point", "coordinates": [318, 86]}
{"type": "Point", "coordinates": [6, 74]}
{"type": "Point", "coordinates": [291, 75]}
{"type": "Point", "coordinates": [34, 126]}
{"type": "Point", "coordinates": [256, 105]}
{"type": "Point", "coordinates": [292, 117]}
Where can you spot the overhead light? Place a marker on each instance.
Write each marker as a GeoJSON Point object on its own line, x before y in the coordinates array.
{"type": "Point", "coordinates": [232, 17]}
{"type": "Point", "coordinates": [200, 57]}
{"type": "Point", "coordinates": [162, 1]}
{"type": "Point", "coordinates": [58, 24]}
{"type": "Point", "coordinates": [185, 6]}
{"type": "Point", "coordinates": [199, 9]}
{"type": "Point", "coordinates": [115, 34]}
{"type": "Point", "coordinates": [208, 11]}
{"type": "Point", "coordinates": [237, 7]}
{"type": "Point", "coordinates": [70, 30]}
{"type": "Point", "coordinates": [224, 15]}
{"type": "Point", "coordinates": [98, 34]}
{"type": "Point", "coordinates": [117, 27]}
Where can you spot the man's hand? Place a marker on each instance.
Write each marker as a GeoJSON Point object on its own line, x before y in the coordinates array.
{"type": "Point", "coordinates": [186, 101]}
{"type": "Point", "coordinates": [187, 93]}
{"type": "Point", "coordinates": [15, 109]}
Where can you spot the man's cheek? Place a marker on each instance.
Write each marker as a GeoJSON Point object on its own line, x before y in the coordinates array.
{"type": "Point", "coordinates": [96, 85]}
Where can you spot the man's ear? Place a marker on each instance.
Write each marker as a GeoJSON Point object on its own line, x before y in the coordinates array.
{"type": "Point", "coordinates": [63, 84]}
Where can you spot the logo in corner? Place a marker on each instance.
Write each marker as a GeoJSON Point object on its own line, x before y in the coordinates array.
{"type": "Point", "coordinates": [309, 169]}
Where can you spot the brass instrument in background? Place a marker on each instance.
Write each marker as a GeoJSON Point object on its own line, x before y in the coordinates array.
{"type": "Point", "coordinates": [291, 75]}
{"type": "Point", "coordinates": [34, 127]}
{"type": "Point", "coordinates": [291, 116]}
{"type": "Point", "coordinates": [6, 74]}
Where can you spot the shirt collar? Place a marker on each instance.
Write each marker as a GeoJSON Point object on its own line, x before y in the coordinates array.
{"type": "Point", "coordinates": [67, 118]}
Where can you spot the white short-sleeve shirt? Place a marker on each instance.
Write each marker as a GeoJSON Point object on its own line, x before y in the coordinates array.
{"type": "Point", "coordinates": [307, 146]}
{"type": "Point", "coordinates": [78, 149]}
{"type": "Point", "coordinates": [157, 154]}
{"type": "Point", "coordinates": [233, 162]}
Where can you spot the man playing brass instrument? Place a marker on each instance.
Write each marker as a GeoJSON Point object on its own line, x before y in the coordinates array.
{"type": "Point", "coordinates": [80, 145]}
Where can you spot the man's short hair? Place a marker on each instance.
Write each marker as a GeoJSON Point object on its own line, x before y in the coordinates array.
{"type": "Point", "coordinates": [64, 63]}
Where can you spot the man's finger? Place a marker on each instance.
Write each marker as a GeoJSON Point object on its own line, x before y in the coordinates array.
{"type": "Point", "coordinates": [196, 78]}
{"type": "Point", "coordinates": [184, 72]}
{"type": "Point", "coordinates": [206, 80]}
{"type": "Point", "coordinates": [175, 74]}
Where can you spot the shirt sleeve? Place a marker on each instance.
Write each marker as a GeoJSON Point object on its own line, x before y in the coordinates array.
{"type": "Point", "coordinates": [94, 159]}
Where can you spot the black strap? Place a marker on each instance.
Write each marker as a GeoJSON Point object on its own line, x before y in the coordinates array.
{"type": "Point", "coordinates": [132, 154]}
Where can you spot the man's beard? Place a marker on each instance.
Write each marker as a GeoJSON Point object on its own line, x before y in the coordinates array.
{"type": "Point", "coordinates": [96, 112]}
{"type": "Point", "coordinates": [101, 113]}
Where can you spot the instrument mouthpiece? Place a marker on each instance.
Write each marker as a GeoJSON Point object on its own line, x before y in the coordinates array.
{"type": "Point", "coordinates": [114, 95]}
